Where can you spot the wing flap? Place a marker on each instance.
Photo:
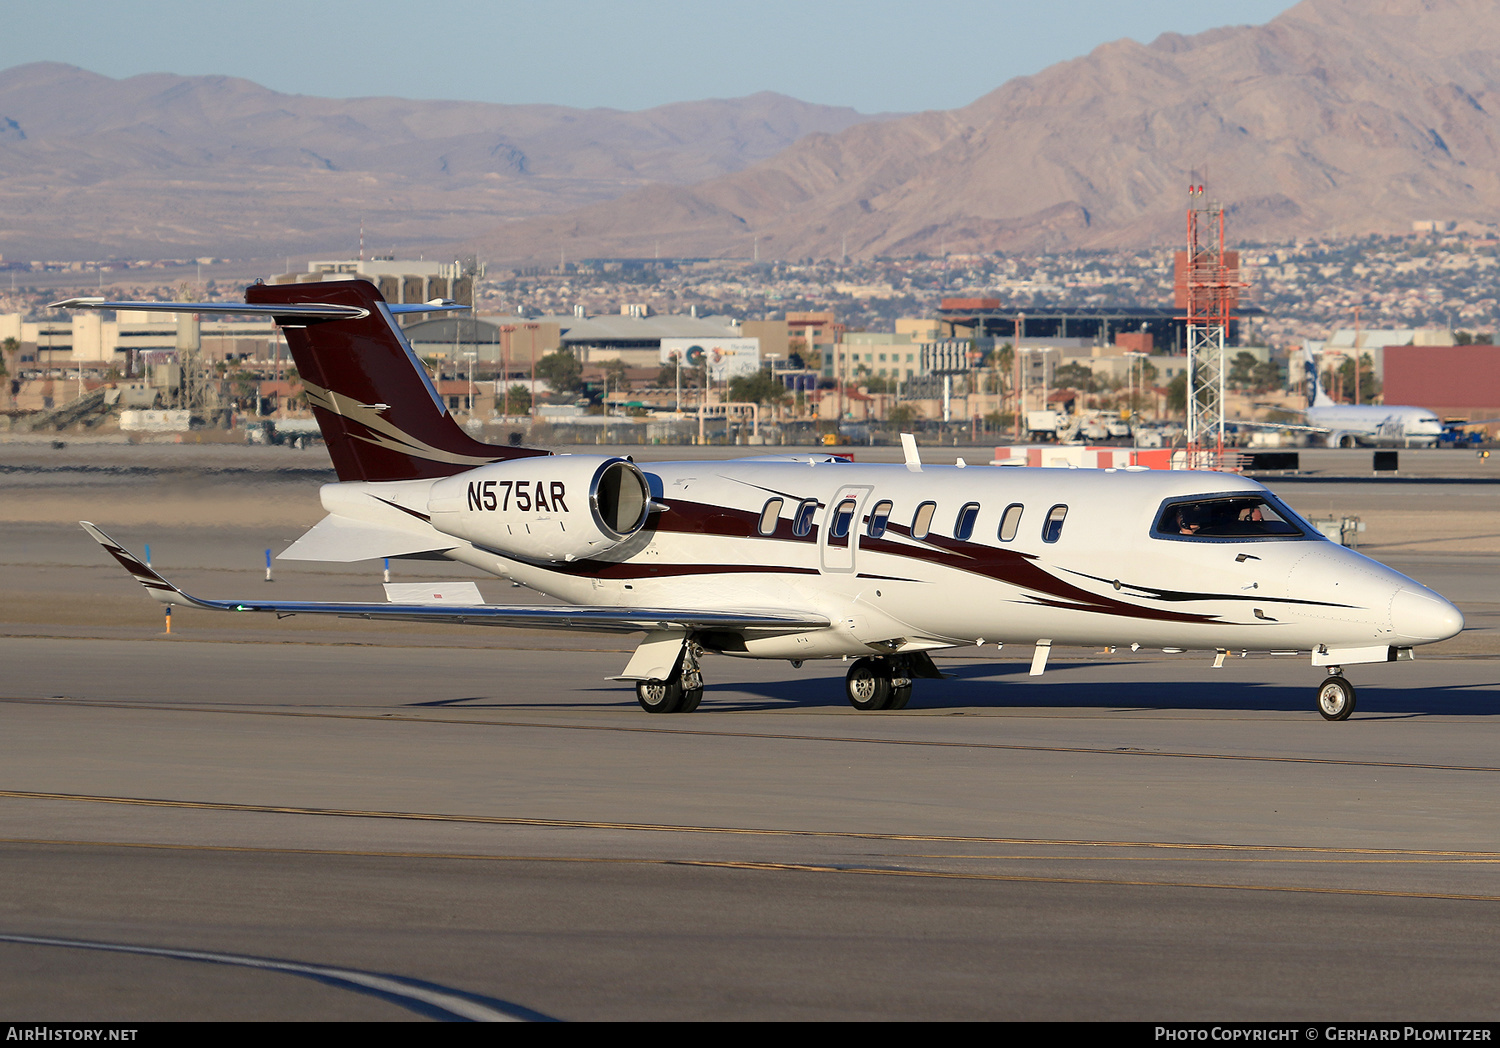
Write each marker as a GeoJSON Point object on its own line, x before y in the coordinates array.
{"type": "Point", "coordinates": [600, 619]}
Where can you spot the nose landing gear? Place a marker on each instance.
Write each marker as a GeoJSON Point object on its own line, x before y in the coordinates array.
{"type": "Point", "coordinates": [1335, 697]}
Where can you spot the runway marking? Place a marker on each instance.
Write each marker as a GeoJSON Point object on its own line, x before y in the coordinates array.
{"type": "Point", "coordinates": [1436, 859]}
{"type": "Point", "coordinates": [777, 867]}
{"type": "Point", "coordinates": [1016, 878]}
{"type": "Point", "coordinates": [511, 820]}
{"type": "Point", "coordinates": [396, 718]}
{"type": "Point", "coordinates": [425, 998]}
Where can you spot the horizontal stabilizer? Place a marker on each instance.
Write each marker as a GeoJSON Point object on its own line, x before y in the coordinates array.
{"type": "Point", "coordinates": [432, 593]}
{"type": "Point", "coordinates": [301, 310]}
{"type": "Point", "coordinates": [340, 540]}
{"type": "Point", "coordinates": [586, 618]}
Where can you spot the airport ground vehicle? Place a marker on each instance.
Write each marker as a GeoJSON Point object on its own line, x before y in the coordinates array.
{"type": "Point", "coordinates": [806, 556]}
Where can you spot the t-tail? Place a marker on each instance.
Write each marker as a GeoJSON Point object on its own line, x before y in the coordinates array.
{"type": "Point", "coordinates": [380, 414]}
{"type": "Point", "coordinates": [374, 401]}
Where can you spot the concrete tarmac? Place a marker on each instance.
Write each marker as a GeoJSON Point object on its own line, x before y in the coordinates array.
{"type": "Point", "coordinates": [482, 811]}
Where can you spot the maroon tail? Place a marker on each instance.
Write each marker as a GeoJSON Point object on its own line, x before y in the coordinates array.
{"type": "Point", "coordinates": [377, 407]}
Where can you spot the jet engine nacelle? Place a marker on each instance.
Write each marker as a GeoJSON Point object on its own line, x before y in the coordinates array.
{"type": "Point", "coordinates": [546, 508]}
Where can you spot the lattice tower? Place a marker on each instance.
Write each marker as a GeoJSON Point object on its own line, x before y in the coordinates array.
{"type": "Point", "coordinates": [1208, 289]}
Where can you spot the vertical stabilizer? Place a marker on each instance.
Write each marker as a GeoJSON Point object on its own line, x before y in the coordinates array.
{"type": "Point", "coordinates": [372, 398]}
{"type": "Point", "coordinates": [1317, 396]}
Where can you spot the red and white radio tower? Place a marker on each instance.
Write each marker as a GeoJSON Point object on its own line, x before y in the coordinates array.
{"type": "Point", "coordinates": [1208, 290]}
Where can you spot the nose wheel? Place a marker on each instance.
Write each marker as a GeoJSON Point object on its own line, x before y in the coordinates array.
{"type": "Point", "coordinates": [1335, 698]}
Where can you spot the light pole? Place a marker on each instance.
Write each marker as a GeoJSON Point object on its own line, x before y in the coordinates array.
{"type": "Point", "coordinates": [1135, 358]}
{"type": "Point", "coordinates": [1020, 334]}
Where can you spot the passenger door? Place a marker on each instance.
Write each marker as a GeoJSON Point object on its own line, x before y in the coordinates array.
{"type": "Point", "coordinates": [838, 538]}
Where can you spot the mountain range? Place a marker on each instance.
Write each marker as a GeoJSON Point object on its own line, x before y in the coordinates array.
{"type": "Point", "coordinates": [165, 166]}
{"type": "Point", "coordinates": [1336, 117]}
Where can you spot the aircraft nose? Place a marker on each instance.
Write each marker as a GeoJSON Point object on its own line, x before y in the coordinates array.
{"type": "Point", "coordinates": [1422, 616]}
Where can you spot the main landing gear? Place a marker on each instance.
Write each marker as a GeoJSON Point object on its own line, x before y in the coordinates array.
{"type": "Point", "coordinates": [877, 684]}
{"type": "Point", "coordinates": [680, 693]}
{"type": "Point", "coordinates": [1335, 697]}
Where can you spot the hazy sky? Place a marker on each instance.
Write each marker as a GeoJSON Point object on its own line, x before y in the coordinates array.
{"type": "Point", "coordinates": [874, 55]}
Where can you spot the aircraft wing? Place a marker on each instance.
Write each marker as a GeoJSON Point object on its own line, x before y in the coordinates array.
{"type": "Point", "coordinates": [1292, 427]}
{"type": "Point", "coordinates": [594, 619]}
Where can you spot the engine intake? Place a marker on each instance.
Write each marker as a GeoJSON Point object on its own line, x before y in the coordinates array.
{"type": "Point", "coordinates": [552, 508]}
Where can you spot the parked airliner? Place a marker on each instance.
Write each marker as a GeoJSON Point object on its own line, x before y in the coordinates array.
{"type": "Point", "coordinates": [804, 556]}
{"type": "Point", "coordinates": [1346, 425]}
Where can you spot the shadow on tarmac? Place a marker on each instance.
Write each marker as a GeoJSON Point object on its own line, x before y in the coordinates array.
{"type": "Point", "coordinates": [999, 686]}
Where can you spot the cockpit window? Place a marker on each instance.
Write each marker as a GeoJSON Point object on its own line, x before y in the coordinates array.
{"type": "Point", "coordinates": [1229, 517]}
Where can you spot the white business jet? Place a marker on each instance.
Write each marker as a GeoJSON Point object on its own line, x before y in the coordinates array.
{"type": "Point", "coordinates": [804, 556]}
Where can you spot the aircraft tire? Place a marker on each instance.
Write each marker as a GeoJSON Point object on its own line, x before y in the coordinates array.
{"type": "Point", "coordinates": [899, 697]}
{"type": "Point", "coordinates": [661, 696]}
{"type": "Point", "coordinates": [868, 685]}
{"type": "Point", "coordinates": [690, 699]}
{"type": "Point", "coordinates": [1335, 698]}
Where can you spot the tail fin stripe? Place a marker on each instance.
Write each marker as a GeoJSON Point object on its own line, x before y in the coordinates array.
{"type": "Point", "coordinates": [388, 436]}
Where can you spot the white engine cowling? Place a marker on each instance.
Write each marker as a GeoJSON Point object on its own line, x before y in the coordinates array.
{"type": "Point", "coordinates": [547, 508]}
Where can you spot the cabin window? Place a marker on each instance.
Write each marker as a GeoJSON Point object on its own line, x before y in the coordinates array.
{"type": "Point", "coordinates": [803, 522]}
{"type": "Point", "coordinates": [880, 518]}
{"type": "Point", "coordinates": [921, 523]}
{"type": "Point", "coordinates": [963, 526]}
{"type": "Point", "coordinates": [1052, 528]}
{"type": "Point", "coordinates": [769, 516]}
{"type": "Point", "coordinates": [1250, 516]}
{"type": "Point", "coordinates": [1010, 521]}
{"type": "Point", "coordinates": [842, 516]}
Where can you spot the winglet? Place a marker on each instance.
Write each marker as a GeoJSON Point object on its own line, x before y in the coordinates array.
{"type": "Point", "coordinates": [157, 586]}
{"type": "Point", "coordinates": [909, 448]}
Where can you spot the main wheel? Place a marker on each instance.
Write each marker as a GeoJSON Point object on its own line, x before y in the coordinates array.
{"type": "Point", "coordinates": [868, 685]}
{"type": "Point", "coordinates": [899, 697]}
{"type": "Point", "coordinates": [1335, 699]}
{"type": "Point", "coordinates": [661, 696]}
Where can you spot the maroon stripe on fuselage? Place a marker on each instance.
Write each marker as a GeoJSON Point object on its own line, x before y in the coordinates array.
{"type": "Point", "coordinates": [1011, 567]}
{"type": "Point", "coordinates": [602, 569]}
{"type": "Point", "coordinates": [1022, 571]}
